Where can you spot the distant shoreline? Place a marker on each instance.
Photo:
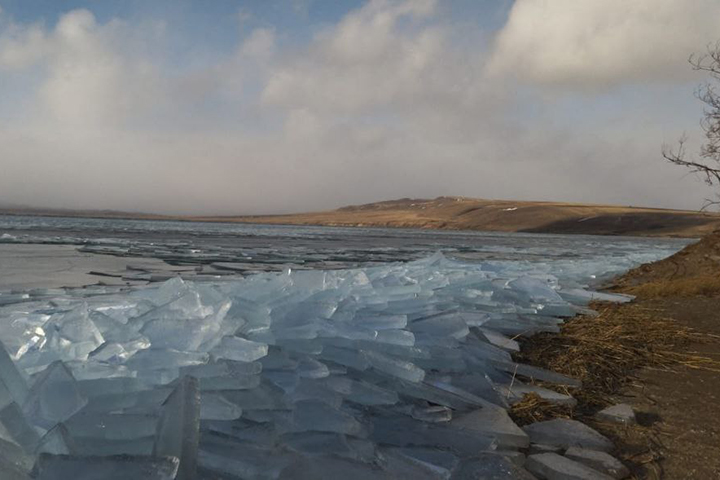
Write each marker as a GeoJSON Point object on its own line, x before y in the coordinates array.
{"type": "Point", "coordinates": [458, 214]}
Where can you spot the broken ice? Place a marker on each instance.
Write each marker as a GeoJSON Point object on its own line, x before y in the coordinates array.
{"type": "Point", "coordinates": [395, 370]}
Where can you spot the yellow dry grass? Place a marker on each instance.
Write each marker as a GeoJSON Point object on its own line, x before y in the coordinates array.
{"type": "Point", "coordinates": [602, 352]}
{"type": "Point", "coordinates": [703, 285]}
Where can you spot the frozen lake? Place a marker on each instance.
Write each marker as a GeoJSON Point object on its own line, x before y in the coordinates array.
{"type": "Point", "coordinates": [347, 353]}
{"type": "Point", "coordinates": [231, 247]}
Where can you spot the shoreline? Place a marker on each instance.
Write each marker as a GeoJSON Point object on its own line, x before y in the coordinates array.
{"type": "Point", "coordinates": [658, 354]}
{"type": "Point", "coordinates": [455, 214]}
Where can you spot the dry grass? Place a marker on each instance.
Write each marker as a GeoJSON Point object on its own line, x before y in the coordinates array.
{"type": "Point", "coordinates": [603, 352]}
{"type": "Point", "coordinates": [704, 285]}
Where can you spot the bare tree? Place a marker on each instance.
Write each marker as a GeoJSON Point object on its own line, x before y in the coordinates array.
{"type": "Point", "coordinates": [707, 162]}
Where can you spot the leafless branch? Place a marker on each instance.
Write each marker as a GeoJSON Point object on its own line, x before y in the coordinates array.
{"type": "Point", "coordinates": [707, 162]}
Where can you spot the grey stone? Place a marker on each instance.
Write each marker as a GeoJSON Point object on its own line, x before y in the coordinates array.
{"type": "Point", "coordinates": [622, 413]}
{"type": "Point", "coordinates": [490, 466]}
{"type": "Point", "coordinates": [551, 466]}
{"type": "Point", "coordinates": [600, 461]}
{"type": "Point", "coordinates": [541, 448]}
{"type": "Point", "coordinates": [567, 433]}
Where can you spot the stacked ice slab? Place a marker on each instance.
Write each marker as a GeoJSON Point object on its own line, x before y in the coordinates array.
{"type": "Point", "coordinates": [399, 371]}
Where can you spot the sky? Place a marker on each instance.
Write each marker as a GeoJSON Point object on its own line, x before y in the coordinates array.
{"type": "Point", "coordinates": [279, 106]}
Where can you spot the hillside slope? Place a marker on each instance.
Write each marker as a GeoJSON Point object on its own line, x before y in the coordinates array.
{"type": "Point", "coordinates": [460, 213]}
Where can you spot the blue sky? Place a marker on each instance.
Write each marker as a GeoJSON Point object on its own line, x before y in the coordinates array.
{"type": "Point", "coordinates": [226, 106]}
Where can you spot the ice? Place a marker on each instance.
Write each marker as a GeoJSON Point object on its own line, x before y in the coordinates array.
{"type": "Point", "coordinates": [112, 353]}
{"type": "Point", "coordinates": [15, 463]}
{"type": "Point", "coordinates": [239, 349]}
{"type": "Point", "coordinates": [108, 386]}
{"type": "Point", "coordinates": [135, 446]}
{"type": "Point", "coordinates": [389, 371]}
{"type": "Point", "coordinates": [448, 325]}
{"type": "Point", "coordinates": [158, 359]}
{"type": "Point", "coordinates": [11, 380]}
{"type": "Point", "coordinates": [265, 397]}
{"type": "Point", "coordinates": [116, 426]}
{"type": "Point", "coordinates": [220, 457]}
{"type": "Point", "coordinates": [118, 467]}
{"type": "Point", "coordinates": [350, 358]}
{"type": "Point", "coordinates": [492, 466]}
{"type": "Point", "coordinates": [361, 392]}
{"type": "Point", "coordinates": [395, 367]}
{"type": "Point", "coordinates": [404, 432]}
{"type": "Point", "coordinates": [178, 428]}
{"type": "Point", "coordinates": [552, 465]}
{"type": "Point", "coordinates": [567, 433]}
{"type": "Point", "coordinates": [144, 401]}
{"type": "Point", "coordinates": [500, 340]}
{"type": "Point", "coordinates": [318, 416]}
{"type": "Point", "coordinates": [57, 441]}
{"type": "Point", "coordinates": [495, 422]}
{"type": "Point", "coordinates": [517, 391]}
{"type": "Point", "coordinates": [443, 463]}
{"type": "Point", "coordinates": [214, 406]}
{"type": "Point", "coordinates": [432, 414]}
{"type": "Point", "coordinates": [317, 443]}
{"type": "Point", "coordinates": [16, 427]}
{"type": "Point", "coordinates": [54, 397]}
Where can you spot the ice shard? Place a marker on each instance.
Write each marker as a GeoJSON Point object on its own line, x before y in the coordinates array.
{"type": "Point", "coordinates": [115, 467]}
{"type": "Point", "coordinates": [17, 428]}
{"type": "Point", "coordinates": [54, 397]}
{"type": "Point", "coordinates": [178, 429]}
{"type": "Point", "coordinates": [12, 380]}
{"type": "Point", "coordinates": [56, 441]}
{"type": "Point", "coordinates": [401, 370]}
{"type": "Point", "coordinates": [239, 349]}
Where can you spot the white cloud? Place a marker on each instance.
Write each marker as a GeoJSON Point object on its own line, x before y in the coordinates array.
{"type": "Point", "coordinates": [22, 47]}
{"type": "Point", "coordinates": [600, 43]}
{"type": "Point", "coordinates": [382, 104]}
{"type": "Point", "coordinates": [364, 62]}
{"type": "Point", "coordinates": [261, 43]}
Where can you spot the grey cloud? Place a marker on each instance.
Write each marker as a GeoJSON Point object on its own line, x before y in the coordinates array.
{"type": "Point", "coordinates": [371, 109]}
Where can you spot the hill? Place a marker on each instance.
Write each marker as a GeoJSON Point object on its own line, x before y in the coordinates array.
{"type": "Point", "coordinates": [461, 213]}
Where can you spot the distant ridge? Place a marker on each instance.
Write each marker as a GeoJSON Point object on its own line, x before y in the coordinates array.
{"type": "Point", "coordinates": [7, 209]}
{"type": "Point", "coordinates": [460, 213]}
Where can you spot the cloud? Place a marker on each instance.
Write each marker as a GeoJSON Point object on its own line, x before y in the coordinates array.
{"type": "Point", "coordinates": [602, 43]}
{"type": "Point", "coordinates": [364, 62]}
{"type": "Point", "coordinates": [384, 103]}
{"type": "Point", "coordinates": [90, 79]}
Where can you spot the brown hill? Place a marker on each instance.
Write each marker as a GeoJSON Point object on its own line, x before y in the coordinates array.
{"type": "Point", "coordinates": [460, 213]}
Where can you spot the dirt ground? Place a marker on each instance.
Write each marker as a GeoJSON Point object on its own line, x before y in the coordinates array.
{"type": "Point", "coordinates": [678, 409]}
{"type": "Point", "coordinates": [659, 353]}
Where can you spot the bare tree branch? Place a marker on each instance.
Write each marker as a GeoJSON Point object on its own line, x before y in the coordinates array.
{"type": "Point", "coordinates": [707, 162]}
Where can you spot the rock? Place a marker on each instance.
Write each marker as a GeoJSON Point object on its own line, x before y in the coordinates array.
{"type": "Point", "coordinates": [622, 413]}
{"type": "Point", "coordinates": [490, 466]}
{"type": "Point", "coordinates": [540, 448]}
{"type": "Point", "coordinates": [552, 466]}
{"type": "Point", "coordinates": [600, 461]}
{"type": "Point", "coordinates": [567, 433]}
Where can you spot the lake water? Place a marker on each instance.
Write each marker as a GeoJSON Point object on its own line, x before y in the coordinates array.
{"type": "Point", "coordinates": [272, 247]}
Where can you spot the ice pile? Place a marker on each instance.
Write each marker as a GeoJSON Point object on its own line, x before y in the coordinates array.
{"type": "Point", "coordinates": [397, 371]}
